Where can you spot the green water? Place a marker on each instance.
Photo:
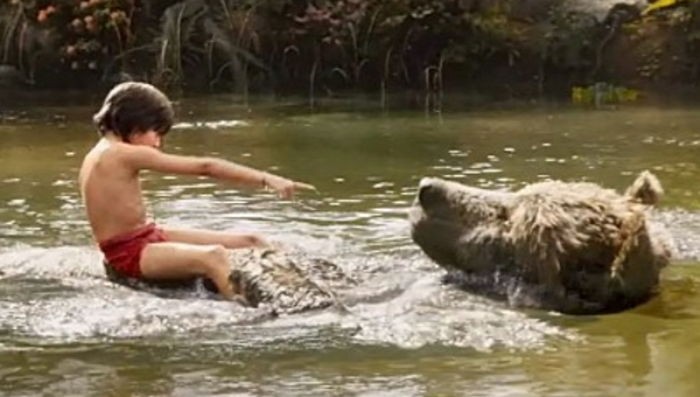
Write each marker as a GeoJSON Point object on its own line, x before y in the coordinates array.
{"type": "Point", "coordinates": [65, 330]}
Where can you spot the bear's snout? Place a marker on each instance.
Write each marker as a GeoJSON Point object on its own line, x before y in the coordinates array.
{"type": "Point", "coordinates": [429, 194]}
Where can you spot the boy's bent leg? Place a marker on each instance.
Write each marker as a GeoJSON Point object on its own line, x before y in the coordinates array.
{"type": "Point", "coordinates": [227, 239]}
{"type": "Point", "coordinates": [172, 260]}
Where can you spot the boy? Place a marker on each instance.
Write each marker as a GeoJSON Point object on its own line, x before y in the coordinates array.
{"type": "Point", "coordinates": [132, 123]}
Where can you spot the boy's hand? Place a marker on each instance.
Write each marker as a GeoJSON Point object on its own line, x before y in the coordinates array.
{"type": "Point", "coordinates": [284, 187]}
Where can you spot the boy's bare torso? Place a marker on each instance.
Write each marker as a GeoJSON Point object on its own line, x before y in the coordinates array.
{"type": "Point", "coordinates": [111, 191]}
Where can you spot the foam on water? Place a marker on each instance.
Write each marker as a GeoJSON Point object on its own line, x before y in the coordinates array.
{"type": "Point", "coordinates": [430, 313]}
{"type": "Point", "coordinates": [55, 295]}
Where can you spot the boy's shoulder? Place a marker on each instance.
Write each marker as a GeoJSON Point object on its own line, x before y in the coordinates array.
{"type": "Point", "coordinates": [120, 150]}
{"type": "Point", "coordinates": [109, 153]}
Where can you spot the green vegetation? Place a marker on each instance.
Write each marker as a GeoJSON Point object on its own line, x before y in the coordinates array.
{"type": "Point", "coordinates": [322, 46]}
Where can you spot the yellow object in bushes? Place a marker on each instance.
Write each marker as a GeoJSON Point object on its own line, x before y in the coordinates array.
{"type": "Point", "coordinates": [658, 4]}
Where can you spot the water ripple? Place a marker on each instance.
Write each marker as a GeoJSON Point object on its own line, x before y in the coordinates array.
{"type": "Point", "coordinates": [61, 295]}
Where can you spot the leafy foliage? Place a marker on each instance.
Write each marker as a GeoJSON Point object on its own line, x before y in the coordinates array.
{"type": "Point", "coordinates": [77, 35]}
{"type": "Point", "coordinates": [243, 45]}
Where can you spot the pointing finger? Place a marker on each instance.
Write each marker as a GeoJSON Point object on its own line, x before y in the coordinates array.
{"type": "Point", "coordinates": [305, 186]}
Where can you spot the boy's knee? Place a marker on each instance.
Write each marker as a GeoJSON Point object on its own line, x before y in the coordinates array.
{"type": "Point", "coordinates": [217, 253]}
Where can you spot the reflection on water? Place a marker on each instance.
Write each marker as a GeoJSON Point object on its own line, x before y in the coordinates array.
{"type": "Point", "coordinates": [65, 330]}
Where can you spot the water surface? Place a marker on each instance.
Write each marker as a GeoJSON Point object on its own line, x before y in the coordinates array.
{"type": "Point", "coordinates": [64, 329]}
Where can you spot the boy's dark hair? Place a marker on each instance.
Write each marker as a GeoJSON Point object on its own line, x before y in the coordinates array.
{"type": "Point", "coordinates": [134, 107]}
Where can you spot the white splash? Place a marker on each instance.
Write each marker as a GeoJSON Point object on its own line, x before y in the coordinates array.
{"type": "Point", "coordinates": [214, 125]}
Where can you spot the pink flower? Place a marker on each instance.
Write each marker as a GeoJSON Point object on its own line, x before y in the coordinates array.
{"type": "Point", "coordinates": [77, 24]}
{"type": "Point", "coordinates": [90, 24]}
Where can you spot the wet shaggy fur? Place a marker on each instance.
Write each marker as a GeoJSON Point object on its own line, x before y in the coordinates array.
{"type": "Point", "coordinates": [283, 282]}
{"type": "Point", "coordinates": [570, 247]}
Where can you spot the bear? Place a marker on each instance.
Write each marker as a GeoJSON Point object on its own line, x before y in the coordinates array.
{"type": "Point", "coordinates": [575, 248]}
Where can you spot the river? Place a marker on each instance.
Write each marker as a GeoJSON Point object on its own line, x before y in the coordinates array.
{"type": "Point", "coordinates": [66, 330]}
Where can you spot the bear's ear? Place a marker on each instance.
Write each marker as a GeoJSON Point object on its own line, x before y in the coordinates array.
{"type": "Point", "coordinates": [646, 189]}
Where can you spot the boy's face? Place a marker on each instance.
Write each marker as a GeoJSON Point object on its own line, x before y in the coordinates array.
{"type": "Point", "coordinates": [149, 138]}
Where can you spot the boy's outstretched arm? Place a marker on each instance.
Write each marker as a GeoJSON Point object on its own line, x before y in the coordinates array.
{"type": "Point", "coordinates": [145, 157]}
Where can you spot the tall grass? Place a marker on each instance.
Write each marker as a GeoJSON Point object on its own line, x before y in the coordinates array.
{"type": "Point", "coordinates": [175, 47]}
{"type": "Point", "coordinates": [237, 42]}
{"type": "Point", "coordinates": [11, 17]}
{"type": "Point", "coordinates": [214, 36]}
